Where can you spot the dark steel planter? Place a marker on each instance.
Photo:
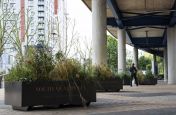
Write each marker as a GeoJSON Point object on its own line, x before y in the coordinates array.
{"type": "Point", "coordinates": [126, 81]}
{"type": "Point", "coordinates": [148, 82]}
{"type": "Point", "coordinates": [109, 85]}
{"type": "Point", "coordinates": [23, 95]}
{"type": "Point", "coordinates": [0, 81]}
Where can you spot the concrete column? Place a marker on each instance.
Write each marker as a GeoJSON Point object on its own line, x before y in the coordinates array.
{"type": "Point", "coordinates": [135, 52]}
{"type": "Point", "coordinates": [165, 65]}
{"type": "Point", "coordinates": [121, 50]}
{"type": "Point", "coordinates": [154, 66]}
{"type": "Point", "coordinates": [171, 50]}
{"type": "Point", "coordinates": [99, 32]}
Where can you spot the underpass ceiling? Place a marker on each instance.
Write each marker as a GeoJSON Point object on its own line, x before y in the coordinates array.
{"type": "Point", "coordinates": [144, 10]}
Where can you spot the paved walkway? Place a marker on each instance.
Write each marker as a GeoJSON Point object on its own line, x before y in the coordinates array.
{"type": "Point", "coordinates": [142, 100]}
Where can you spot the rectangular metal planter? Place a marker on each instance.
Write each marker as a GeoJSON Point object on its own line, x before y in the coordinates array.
{"type": "Point", "coordinates": [0, 81]}
{"type": "Point", "coordinates": [148, 82]}
{"type": "Point", "coordinates": [22, 95]}
{"type": "Point", "coordinates": [109, 85]}
{"type": "Point", "coordinates": [126, 81]}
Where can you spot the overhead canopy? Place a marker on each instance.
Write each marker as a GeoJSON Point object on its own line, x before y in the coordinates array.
{"type": "Point", "coordinates": [145, 21]}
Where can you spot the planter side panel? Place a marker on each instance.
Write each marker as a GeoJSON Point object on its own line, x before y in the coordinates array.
{"type": "Point", "coordinates": [13, 94]}
{"type": "Point", "coordinates": [85, 93]}
{"type": "Point", "coordinates": [49, 93]}
{"type": "Point", "coordinates": [44, 93]}
{"type": "Point", "coordinates": [149, 82]}
{"type": "Point", "coordinates": [109, 85]}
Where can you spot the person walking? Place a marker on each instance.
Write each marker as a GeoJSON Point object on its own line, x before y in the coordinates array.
{"type": "Point", "coordinates": [133, 72]}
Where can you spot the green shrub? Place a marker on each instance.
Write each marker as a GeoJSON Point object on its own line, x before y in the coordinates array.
{"type": "Point", "coordinates": [149, 75]}
{"type": "Point", "coordinates": [59, 55]}
{"type": "Point", "coordinates": [161, 76]}
{"type": "Point", "coordinates": [66, 69]}
{"type": "Point", "coordinates": [20, 72]}
{"type": "Point", "coordinates": [37, 64]}
{"type": "Point", "coordinates": [148, 67]}
{"type": "Point", "coordinates": [124, 75]}
{"type": "Point", "coordinates": [140, 76]}
{"type": "Point", "coordinates": [102, 72]}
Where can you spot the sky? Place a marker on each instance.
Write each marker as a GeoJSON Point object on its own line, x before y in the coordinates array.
{"type": "Point", "coordinates": [79, 12]}
{"type": "Point", "coordinates": [82, 15]}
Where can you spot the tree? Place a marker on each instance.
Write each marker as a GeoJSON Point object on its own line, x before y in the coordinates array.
{"type": "Point", "coordinates": [4, 15]}
{"type": "Point", "coordinates": [69, 42]}
{"type": "Point", "coordinates": [20, 46]}
{"type": "Point", "coordinates": [112, 52]}
{"type": "Point", "coordinates": [160, 65]}
{"type": "Point", "coordinates": [144, 62]}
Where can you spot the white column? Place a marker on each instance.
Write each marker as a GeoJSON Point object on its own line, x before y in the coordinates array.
{"type": "Point", "coordinates": [99, 32]}
{"type": "Point", "coordinates": [121, 50]}
{"type": "Point", "coordinates": [154, 65]}
{"type": "Point", "coordinates": [165, 65]}
{"type": "Point", "coordinates": [171, 50]}
{"type": "Point", "coordinates": [135, 53]}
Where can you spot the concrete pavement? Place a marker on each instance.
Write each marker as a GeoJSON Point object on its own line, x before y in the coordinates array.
{"type": "Point", "coordinates": [142, 100]}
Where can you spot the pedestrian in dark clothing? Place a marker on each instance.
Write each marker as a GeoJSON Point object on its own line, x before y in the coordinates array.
{"type": "Point", "coordinates": [133, 72]}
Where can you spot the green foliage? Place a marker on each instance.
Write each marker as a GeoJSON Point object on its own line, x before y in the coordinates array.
{"type": "Point", "coordinates": [68, 69]}
{"type": "Point", "coordinates": [102, 72]}
{"type": "Point", "coordinates": [149, 67]}
{"type": "Point", "coordinates": [140, 76]}
{"type": "Point", "coordinates": [125, 75]}
{"type": "Point", "coordinates": [60, 55]}
{"type": "Point", "coordinates": [161, 76]}
{"type": "Point", "coordinates": [112, 52]}
{"type": "Point", "coordinates": [143, 62]}
{"type": "Point", "coordinates": [160, 62]}
{"type": "Point", "coordinates": [87, 69]}
{"type": "Point", "coordinates": [20, 72]}
{"type": "Point", "coordinates": [37, 65]}
{"type": "Point", "coordinates": [42, 63]}
{"type": "Point", "coordinates": [149, 75]}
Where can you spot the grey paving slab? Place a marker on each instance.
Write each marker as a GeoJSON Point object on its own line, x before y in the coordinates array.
{"type": "Point", "coordinates": [163, 111]}
{"type": "Point", "coordinates": [142, 100]}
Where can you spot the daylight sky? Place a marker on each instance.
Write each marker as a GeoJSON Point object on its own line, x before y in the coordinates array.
{"type": "Point", "coordinates": [83, 17]}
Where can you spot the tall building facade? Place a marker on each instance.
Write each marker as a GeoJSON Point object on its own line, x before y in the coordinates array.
{"type": "Point", "coordinates": [37, 22]}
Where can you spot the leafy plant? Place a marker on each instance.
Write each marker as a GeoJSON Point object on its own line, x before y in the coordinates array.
{"type": "Point", "coordinates": [87, 69]}
{"type": "Point", "coordinates": [102, 72]}
{"type": "Point", "coordinates": [59, 55]}
{"type": "Point", "coordinates": [124, 75]}
{"type": "Point", "coordinates": [20, 72]}
{"type": "Point", "coordinates": [148, 67]}
{"type": "Point", "coordinates": [149, 75]}
{"type": "Point", "coordinates": [143, 61]}
{"type": "Point", "coordinates": [140, 76]}
{"type": "Point", "coordinates": [37, 65]}
{"type": "Point", "coordinates": [111, 52]}
{"type": "Point", "coordinates": [161, 76]}
{"type": "Point", "coordinates": [66, 69]}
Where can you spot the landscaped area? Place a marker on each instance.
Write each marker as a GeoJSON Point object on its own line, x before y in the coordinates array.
{"type": "Point", "coordinates": [142, 100]}
{"type": "Point", "coordinates": [50, 65]}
